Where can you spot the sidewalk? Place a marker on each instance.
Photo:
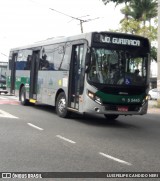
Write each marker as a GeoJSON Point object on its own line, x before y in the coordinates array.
{"type": "Point", "coordinates": [152, 107]}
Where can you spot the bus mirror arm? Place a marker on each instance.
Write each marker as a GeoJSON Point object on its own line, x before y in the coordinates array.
{"type": "Point", "coordinates": [87, 62]}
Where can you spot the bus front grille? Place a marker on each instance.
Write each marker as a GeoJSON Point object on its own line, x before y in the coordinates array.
{"type": "Point", "coordinates": [112, 107]}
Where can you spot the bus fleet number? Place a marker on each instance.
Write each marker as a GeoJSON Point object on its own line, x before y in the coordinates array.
{"type": "Point", "coordinates": [133, 100]}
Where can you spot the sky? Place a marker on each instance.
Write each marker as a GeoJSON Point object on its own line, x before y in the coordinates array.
{"type": "Point", "coordinates": [24, 22]}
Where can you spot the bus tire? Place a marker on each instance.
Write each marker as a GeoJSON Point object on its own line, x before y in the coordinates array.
{"type": "Point", "coordinates": [61, 106]}
{"type": "Point", "coordinates": [23, 99]}
{"type": "Point", "coordinates": [111, 117]}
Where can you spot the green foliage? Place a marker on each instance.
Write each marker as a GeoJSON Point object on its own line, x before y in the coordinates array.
{"type": "Point", "coordinates": [116, 1]}
{"type": "Point", "coordinates": [154, 53]}
{"type": "Point", "coordinates": [142, 10]}
{"type": "Point", "coordinates": [138, 15]}
{"type": "Point", "coordinates": [136, 27]}
{"type": "Point", "coordinates": [129, 26]}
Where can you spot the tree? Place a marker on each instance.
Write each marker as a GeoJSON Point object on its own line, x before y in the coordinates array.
{"type": "Point", "coordinates": [136, 27]}
{"type": "Point", "coordinates": [143, 10]}
{"type": "Point", "coordinates": [138, 9]}
{"type": "Point", "coordinates": [116, 1]}
{"type": "Point", "coordinates": [126, 12]}
{"type": "Point", "coordinates": [154, 53]}
{"type": "Point", "coordinates": [136, 14]}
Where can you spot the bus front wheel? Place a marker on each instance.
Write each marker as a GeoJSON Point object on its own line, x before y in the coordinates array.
{"type": "Point", "coordinates": [61, 106]}
{"type": "Point", "coordinates": [23, 99]}
{"type": "Point", "coordinates": [111, 117]}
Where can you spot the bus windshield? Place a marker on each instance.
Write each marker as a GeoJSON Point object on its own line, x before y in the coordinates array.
{"type": "Point", "coordinates": [118, 67]}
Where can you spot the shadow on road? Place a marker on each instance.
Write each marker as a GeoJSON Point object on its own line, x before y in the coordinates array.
{"type": "Point", "coordinates": [99, 120]}
{"type": "Point", "coordinates": [89, 119]}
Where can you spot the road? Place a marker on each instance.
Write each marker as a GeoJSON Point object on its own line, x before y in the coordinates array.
{"type": "Point", "coordinates": [35, 139]}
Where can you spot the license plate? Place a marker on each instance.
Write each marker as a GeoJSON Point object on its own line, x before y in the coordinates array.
{"type": "Point", "coordinates": [122, 108]}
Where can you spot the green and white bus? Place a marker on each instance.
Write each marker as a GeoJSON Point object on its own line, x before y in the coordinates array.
{"type": "Point", "coordinates": [98, 72]}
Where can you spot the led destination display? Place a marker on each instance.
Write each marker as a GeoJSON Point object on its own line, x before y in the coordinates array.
{"type": "Point", "coordinates": [113, 39]}
{"type": "Point", "coordinates": [120, 41]}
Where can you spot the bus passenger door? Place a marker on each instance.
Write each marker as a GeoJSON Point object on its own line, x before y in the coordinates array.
{"type": "Point", "coordinates": [75, 76]}
{"type": "Point", "coordinates": [34, 74]}
{"type": "Point", "coordinates": [13, 72]}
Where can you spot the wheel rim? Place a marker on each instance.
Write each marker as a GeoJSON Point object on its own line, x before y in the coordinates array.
{"type": "Point", "coordinates": [62, 105]}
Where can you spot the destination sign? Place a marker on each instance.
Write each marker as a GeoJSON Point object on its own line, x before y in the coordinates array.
{"type": "Point", "coordinates": [119, 41]}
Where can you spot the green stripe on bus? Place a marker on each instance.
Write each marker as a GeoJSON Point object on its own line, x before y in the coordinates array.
{"type": "Point", "coordinates": [120, 98]}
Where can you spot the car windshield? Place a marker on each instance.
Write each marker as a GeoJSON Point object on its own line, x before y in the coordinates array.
{"type": "Point", "coordinates": [118, 67]}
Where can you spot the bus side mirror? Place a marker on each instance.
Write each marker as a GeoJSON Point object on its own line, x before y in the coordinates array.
{"type": "Point", "coordinates": [87, 69]}
{"type": "Point", "coordinates": [87, 62]}
{"type": "Point", "coordinates": [87, 59]}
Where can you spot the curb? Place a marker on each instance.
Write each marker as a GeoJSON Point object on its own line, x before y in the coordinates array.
{"type": "Point", "coordinates": [153, 110]}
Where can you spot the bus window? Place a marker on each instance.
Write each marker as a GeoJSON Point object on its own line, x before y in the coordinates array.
{"type": "Point", "coordinates": [24, 60]}
{"type": "Point", "coordinates": [117, 67]}
{"type": "Point", "coordinates": [52, 56]}
{"type": "Point", "coordinates": [46, 60]}
{"type": "Point", "coordinates": [28, 63]}
{"type": "Point", "coordinates": [66, 60]}
{"type": "Point", "coordinates": [10, 61]}
{"type": "Point", "coordinates": [58, 56]}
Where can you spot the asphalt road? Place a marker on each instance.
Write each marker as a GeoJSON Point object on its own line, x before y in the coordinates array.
{"type": "Point", "coordinates": [35, 139]}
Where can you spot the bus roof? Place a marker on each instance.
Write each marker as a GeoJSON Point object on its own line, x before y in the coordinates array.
{"type": "Point", "coordinates": [86, 36]}
{"type": "Point", "coordinates": [55, 40]}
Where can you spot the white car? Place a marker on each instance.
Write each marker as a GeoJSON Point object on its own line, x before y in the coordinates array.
{"type": "Point", "coordinates": [153, 94]}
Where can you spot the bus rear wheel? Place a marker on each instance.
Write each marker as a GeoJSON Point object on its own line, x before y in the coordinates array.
{"type": "Point", "coordinates": [61, 106]}
{"type": "Point", "coordinates": [23, 99]}
{"type": "Point", "coordinates": [111, 117]}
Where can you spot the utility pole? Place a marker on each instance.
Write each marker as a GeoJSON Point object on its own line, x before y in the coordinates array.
{"type": "Point", "coordinates": [75, 18]}
{"type": "Point", "coordinates": [81, 24]}
{"type": "Point", "coordinates": [158, 55]}
{"type": "Point", "coordinates": [85, 21]}
{"type": "Point", "coordinates": [80, 20]}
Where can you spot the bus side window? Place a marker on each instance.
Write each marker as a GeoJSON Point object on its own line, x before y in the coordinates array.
{"type": "Point", "coordinates": [28, 64]}
{"type": "Point", "coordinates": [24, 60]}
{"type": "Point", "coordinates": [58, 56]}
{"type": "Point", "coordinates": [66, 60]}
{"type": "Point", "coordinates": [46, 61]}
{"type": "Point", "coordinates": [10, 61]}
{"type": "Point", "coordinates": [20, 63]}
{"type": "Point", "coordinates": [52, 56]}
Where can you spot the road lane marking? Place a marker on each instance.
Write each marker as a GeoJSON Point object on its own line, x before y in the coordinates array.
{"type": "Point", "coordinates": [66, 139]}
{"type": "Point", "coordinates": [34, 126]}
{"type": "Point", "coordinates": [7, 115]}
{"type": "Point", "coordinates": [115, 159]}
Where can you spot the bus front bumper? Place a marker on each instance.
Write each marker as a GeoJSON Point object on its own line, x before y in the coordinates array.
{"type": "Point", "coordinates": [93, 107]}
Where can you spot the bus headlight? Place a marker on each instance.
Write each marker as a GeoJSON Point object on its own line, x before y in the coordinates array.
{"type": "Point", "coordinates": [91, 95]}
{"type": "Point", "coordinates": [147, 98]}
{"type": "Point", "coordinates": [94, 97]}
